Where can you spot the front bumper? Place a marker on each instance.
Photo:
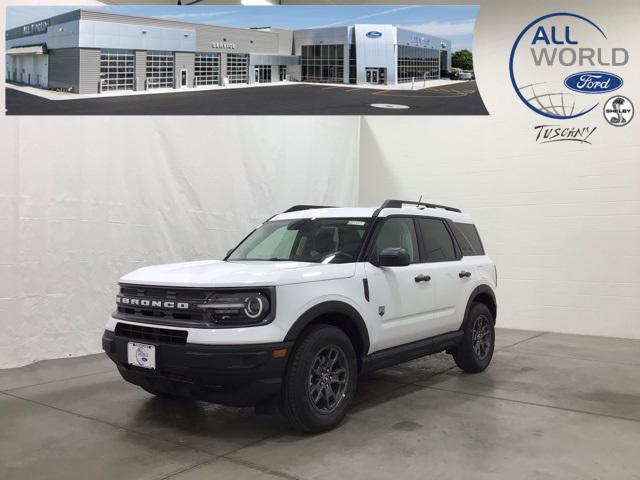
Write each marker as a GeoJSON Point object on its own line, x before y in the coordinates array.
{"type": "Point", "coordinates": [235, 375]}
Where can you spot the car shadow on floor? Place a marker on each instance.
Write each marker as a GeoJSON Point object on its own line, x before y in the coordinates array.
{"type": "Point", "coordinates": [188, 417]}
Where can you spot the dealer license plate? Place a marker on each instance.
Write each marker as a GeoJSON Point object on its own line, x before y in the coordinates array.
{"type": "Point", "coordinates": [141, 355]}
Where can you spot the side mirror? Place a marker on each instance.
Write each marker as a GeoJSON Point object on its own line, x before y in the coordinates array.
{"type": "Point", "coordinates": [393, 257]}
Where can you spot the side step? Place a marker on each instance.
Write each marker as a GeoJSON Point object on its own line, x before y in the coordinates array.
{"type": "Point", "coordinates": [410, 351]}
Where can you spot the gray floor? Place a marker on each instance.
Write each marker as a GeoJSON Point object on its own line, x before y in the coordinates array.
{"type": "Point", "coordinates": [550, 406]}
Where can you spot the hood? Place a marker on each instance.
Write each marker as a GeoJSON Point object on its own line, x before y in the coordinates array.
{"type": "Point", "coordinates": [218, 273]}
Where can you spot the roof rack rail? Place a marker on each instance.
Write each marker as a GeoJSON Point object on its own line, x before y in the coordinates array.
{"type": "Point", "coordinates": [297, 208]}
{"type": "Point", "coordinates": [400, 203]}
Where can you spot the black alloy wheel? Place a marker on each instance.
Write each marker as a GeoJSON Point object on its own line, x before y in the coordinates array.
{"type": "Point", "coordinates": [328, 379]}
{"type": "Point", "coordinates": [320, 381]}
{"type": "Point", "coordinates": [481, 337]}
{"type": "Point", "coordinates": [475, 351]}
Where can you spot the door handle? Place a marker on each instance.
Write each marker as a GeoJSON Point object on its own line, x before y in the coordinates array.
{"type": "Point", "coordinates": [464, 274]}
{"type": "Point", "coordinates": [422, 278]}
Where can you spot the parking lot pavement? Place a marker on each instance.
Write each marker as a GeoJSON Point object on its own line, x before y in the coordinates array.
{"type": "Point", "coordinates": [297, 99]}
{"type": "Point", "coordinates": [549, 406]}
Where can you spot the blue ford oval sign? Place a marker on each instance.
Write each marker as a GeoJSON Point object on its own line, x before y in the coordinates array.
{"type": "Point", "coordinates": [374, 34]}
{"type": "Point", "coordinates": [593, 82]}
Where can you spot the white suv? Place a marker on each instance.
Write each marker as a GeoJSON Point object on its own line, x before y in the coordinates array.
{"type": "Point", "coordinates": [307, 302]}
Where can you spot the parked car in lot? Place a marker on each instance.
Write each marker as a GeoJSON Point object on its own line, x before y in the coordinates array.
{"type": "Point", "coordinates": [465, 75]}
{"type": "Point", "coordinates": [309, 301]}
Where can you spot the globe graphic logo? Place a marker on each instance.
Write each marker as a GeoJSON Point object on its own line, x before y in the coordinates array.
{"type": "Point", "coordinates": [547, 59]}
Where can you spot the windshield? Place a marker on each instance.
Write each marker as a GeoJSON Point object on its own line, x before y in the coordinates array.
{"type": "Point", "coordinates": [326, 240]}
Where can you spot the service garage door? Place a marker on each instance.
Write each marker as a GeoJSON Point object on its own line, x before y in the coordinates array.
{"type": "Point", "coordinates": [237, 68]}
{"type": "Point", "coordinates": [160, 69]}
{"type": "Point", "coordinates": [116, 69]}
{"type": "Point", "coordinates": [207, 69]}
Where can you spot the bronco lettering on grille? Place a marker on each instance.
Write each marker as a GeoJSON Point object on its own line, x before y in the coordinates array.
{"type": "Point", "coordinates": [143, 302]}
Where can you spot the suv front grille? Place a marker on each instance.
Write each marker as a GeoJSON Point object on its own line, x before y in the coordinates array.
{"type": "Point", "coordinates": [150, 305]}
{"type": "Point", "coordinates": [151, 334]}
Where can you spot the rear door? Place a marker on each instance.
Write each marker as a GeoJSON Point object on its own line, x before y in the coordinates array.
{"type": "Point", "coordinates": [400, 300]}
{"type": "Point", "coordinates": [451, 276]}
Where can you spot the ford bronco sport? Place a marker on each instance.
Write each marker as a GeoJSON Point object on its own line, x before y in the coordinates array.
{"type": "Point", "coordinates": [305, 304]}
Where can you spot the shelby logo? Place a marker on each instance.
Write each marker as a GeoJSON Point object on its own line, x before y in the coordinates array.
{"type": "Point", "coordinates": [373, 34]}
{"type": "Point", "coordinates": [143, 302]}
{"type": "Point", "coordinates": [593, 82]}
{"type": "Point", "coordinates": [544, 60]}
{"type": "Point", "coordinates": [556, 133]}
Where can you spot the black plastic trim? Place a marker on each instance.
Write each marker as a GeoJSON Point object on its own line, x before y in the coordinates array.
{"type": "Point", "coordinates": [410, 351]}
{"type": "Point", "coordinates": [237, 375]}
{"type": "Point", "coordinates": [327, 308]}
{"type": "Point", "coordinates": [400, 203]}
{"type": "Point", "coordinates": [480, 289]}
{"type": "Point", "coordinates": [298, 208]}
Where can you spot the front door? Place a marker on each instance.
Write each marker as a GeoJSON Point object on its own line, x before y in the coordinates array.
{"type": "Point", "coordinates": [183, 77]}
{"type": "Point", "coordinates": [401, 298]}
{"type": "Point", "coordinates": [373, 76]}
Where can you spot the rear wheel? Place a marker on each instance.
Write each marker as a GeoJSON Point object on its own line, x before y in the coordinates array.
{"type": "Point", "coordinates": [320, 381]}
{"type": "Point", "coordinates": [475, 351]}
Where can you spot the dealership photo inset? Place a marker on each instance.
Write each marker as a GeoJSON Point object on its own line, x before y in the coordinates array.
{"type": "Point", "coordinates": [241, 60]}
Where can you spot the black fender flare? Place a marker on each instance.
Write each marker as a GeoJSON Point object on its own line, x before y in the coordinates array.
{"type": "Point", "coordinates": [480, 290]}
{"type": "Point", "coordinates": [330, 307]}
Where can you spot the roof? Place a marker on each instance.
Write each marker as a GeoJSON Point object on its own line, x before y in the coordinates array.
{"type": "Point", "coordinates": [368, 212]}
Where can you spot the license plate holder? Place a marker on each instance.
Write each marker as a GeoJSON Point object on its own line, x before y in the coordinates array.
{"type": "Point", "coordinates": [141, 355]}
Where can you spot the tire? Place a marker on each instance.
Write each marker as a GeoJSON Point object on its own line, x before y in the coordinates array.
{"type": "Point", "coordinates": [474, 356]}
{"type": "Point", "coordinates": [320, 381]}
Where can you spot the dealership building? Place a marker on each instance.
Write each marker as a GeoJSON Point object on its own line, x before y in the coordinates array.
{"type": "Point", "coordinates": [86, 51]}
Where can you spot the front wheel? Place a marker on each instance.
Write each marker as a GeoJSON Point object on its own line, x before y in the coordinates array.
{"type": "Point", "coordinates": [320, 381]}
{"type": "Point", "coordinates": [475, 351]}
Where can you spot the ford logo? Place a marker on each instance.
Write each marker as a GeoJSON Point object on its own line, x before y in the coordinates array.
{"type": "Point", "coordinates": [374, 34]}
{"type": "Point", "coordinates": [593, 82]}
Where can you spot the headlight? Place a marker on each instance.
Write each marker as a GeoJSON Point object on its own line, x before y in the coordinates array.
{"type": "Point", "coordinates": [239, 308]}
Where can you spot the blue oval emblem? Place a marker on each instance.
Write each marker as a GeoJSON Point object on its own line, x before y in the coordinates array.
{"type": "Point", "coordinates": [374, 34]}
{"type": "Point", "coordinates": [593, 82]}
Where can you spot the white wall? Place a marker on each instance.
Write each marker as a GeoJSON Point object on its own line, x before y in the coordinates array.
{"type": "Point", "coordinates": [84, 201]}
{"type": "Point", "coordinates": [563, 227]}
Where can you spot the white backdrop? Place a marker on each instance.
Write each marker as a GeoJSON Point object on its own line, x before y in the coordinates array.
{"type": "Point", "coordinates": [85, 200]}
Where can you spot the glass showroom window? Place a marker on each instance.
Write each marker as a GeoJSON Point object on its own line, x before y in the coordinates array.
{"type": "Point", "coordinates": [263, 73]}
{"type": "Point", "coordinates": [116, 69]}
{"type": "Point", "coordinates": [207, 69]}
{"type": "Point", "coordinates": [418, 63]}
{"type": "Point", "coordinates": [353, 78]}
{"type": "Point", "coordinates": [237, 68]}
{"type": "Point", "coordinates": [323, 63]}
{"type": "Point", "coordinates": [159, 69]}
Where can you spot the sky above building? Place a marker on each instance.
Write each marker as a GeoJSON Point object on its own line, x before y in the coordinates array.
{"type": "Point", "coordinates": [454, 22]}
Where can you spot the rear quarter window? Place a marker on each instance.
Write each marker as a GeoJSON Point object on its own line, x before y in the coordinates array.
{"type": "Point", "coordinates": [467, 236]}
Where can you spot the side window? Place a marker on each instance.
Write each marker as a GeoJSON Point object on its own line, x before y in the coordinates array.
{"type": "Point", "coordinates": [398, 232]}
{"type": "Point", "coordinates": [436, 241]}
{"type": "Point", "coordinates": [467, 236]}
